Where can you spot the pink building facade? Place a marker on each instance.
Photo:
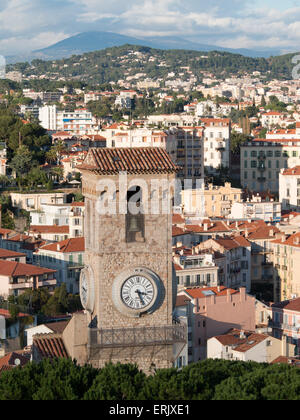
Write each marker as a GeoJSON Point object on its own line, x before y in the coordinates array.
{"type": "Point", "coordinates": [214, 311]}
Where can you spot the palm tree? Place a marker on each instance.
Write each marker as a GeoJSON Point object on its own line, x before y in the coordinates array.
{"type": "Point", "coordinates": [54, 154]}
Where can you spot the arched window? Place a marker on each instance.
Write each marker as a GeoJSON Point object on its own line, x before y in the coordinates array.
{"type": "Point", "coordinates": [135, 220]}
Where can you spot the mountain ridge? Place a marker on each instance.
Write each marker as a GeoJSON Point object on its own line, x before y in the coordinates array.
{"type": "Point", "coordinates": [85, 42]}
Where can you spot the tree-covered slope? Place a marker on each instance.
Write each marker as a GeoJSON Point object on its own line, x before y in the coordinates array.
{"type": "Point", "coordinates": [113, 64]}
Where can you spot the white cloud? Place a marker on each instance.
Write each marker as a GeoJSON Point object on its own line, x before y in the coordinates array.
{"type": "Point", "coordinates": [230, 23]}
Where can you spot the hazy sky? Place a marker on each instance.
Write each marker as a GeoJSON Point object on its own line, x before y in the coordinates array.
{"type": "Point", "coordinates": [26, 25]}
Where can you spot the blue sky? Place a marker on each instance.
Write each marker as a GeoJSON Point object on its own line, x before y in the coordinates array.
{"type": "Point", "coordinates": [26, 25]}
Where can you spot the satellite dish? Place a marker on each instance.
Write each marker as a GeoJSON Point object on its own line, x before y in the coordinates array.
{"type": "Point", "coordinates": [17, 362]}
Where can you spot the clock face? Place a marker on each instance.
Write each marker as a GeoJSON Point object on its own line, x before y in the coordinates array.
{"type": "Point", "coordinates": [137, 292]}
{"type": "Point", "coordinates": [87, 295]}
{"type": "Point", "coordinates": [84, 290]}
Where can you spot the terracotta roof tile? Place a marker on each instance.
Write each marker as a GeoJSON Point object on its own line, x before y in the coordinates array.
{"type": "Point", "coordinates": [12, 360]}
{"type": "Point", "coordinates": [292, 171]}
{"type": "Point", "coordinates": [69, 245]}
{"type": "Point", "coordinates": [178, 219]}
{"type": "Point", "coordinates": [291, 305]}
{"type": "Point", "coordinates": [16, 269]}
{"type": "Point", "coordinates": [199, 292]}
{"type": "Point", "coordinates": [232, 338]}
{"type": "Point", "coordinates": [5, 253]}
{"type": "Point", "coordinates": [132, 160]}
{"type": "Point", "coordinates": [50, 346]}
{"type": "Point", "coordinates": [49, 229]}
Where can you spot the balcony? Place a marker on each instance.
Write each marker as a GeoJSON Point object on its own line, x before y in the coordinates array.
{"type": "Point", "coordinates": [286, 327]}
{"type": "Point", "coordinates": [221, 147]}
{"type": "Point", "coordinates": [47, 283]}
{"type": "Point", "coordinates": [261, 179]}
{"type": "Point", "coordinates": [140, 336]}
{"type": "Point", "coordinates": [16, 286]}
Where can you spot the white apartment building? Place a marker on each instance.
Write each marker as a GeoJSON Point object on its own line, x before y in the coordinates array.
{"type": "Point", "coordinates": [206, 108]}
{"type": "Point", "coordinates": [216, 144]}
{"type": "Point", "coordinates": [284, 133]}
{"type": "Point", "coordinates": [123, 102]}
{"type": "Point", "coordinates": [194, 269]}
{"type": "Point", "coordinates": [173, 120]}
{"type": "Point", "coordinates": [246, 346]}
{"type": "Point", "coordinates": [272, 118]}
{"type": "Point", "coordinates": [35, 201]}
{"type": "Point", "coordinates": [289, 188]}
{"type": "Point", "coordinates": [79, 122]}
{"type": "Point", "coordinates": [269, 211]}
{"type": "Point", "coordinates": [92, 96]}
{"type": "Point", "coordinates": [71, 215]}
{"type": "Point", "coordinates": [48, 117]}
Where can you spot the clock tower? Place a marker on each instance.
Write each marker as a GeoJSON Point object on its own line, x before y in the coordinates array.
{"type": "Point", "coordinates": [128, 286]}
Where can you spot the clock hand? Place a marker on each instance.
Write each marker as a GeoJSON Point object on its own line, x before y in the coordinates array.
{"type": "Point", "coordinates": [140, 293]}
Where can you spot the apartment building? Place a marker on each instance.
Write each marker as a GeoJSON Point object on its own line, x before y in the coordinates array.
{"type": "Point", "coordinates": [9, 255]}
{"type": "Point", "coordinates": [217, 200]}
{"type": "Point", "coordinates": [289, 188]}
{"type": "Point", "coordinates": [196, 269]}
{"type": "Point", "coordinates": [66, 258]}
{"type": "Point", "coordinates": [263, 159]}
{"type": "Point", "coordinates": [47, 116]}
{"type": "Point", "coordinates": [286, 323]}
{"type": "Point", "coordinates": [49, 232]}
{"type": "Point", "coordinates": [272, 118]}
{"type": "Point", "coordinates": [212, 311]}
{"type": "Point", "coordinates": [71, 214]}
{"type": "Point", "coordinates": [257, 208]}
{"type": "Point", "coordinates": [16, 278]}
{"type": "Point", "coordinates": [237, 252]}
{"type": "Point", "coordinates": [30, 109]}
{"type": "Point", "coordinates": [92, 96]}
{"type": "Point", "coordinates": [19, 243]}
{"type": "Point", "coordinates": [246, 346]}
{"type": "Point", "coordinates": [35, 201]}
{"type": "Point", "coordinates": [79, 122]}
{"type": "Point", "coordinates": [216, 144]}
{"type": "Point", "coordinates": [286, 261]}
{"type": "Point", "coordinates": [190, 154]}
{"type": "Point", "coordinates": [262, 267]}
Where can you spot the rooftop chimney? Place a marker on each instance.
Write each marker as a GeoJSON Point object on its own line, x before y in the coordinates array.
{"type": "Point", "coordinates": [242, 335]}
